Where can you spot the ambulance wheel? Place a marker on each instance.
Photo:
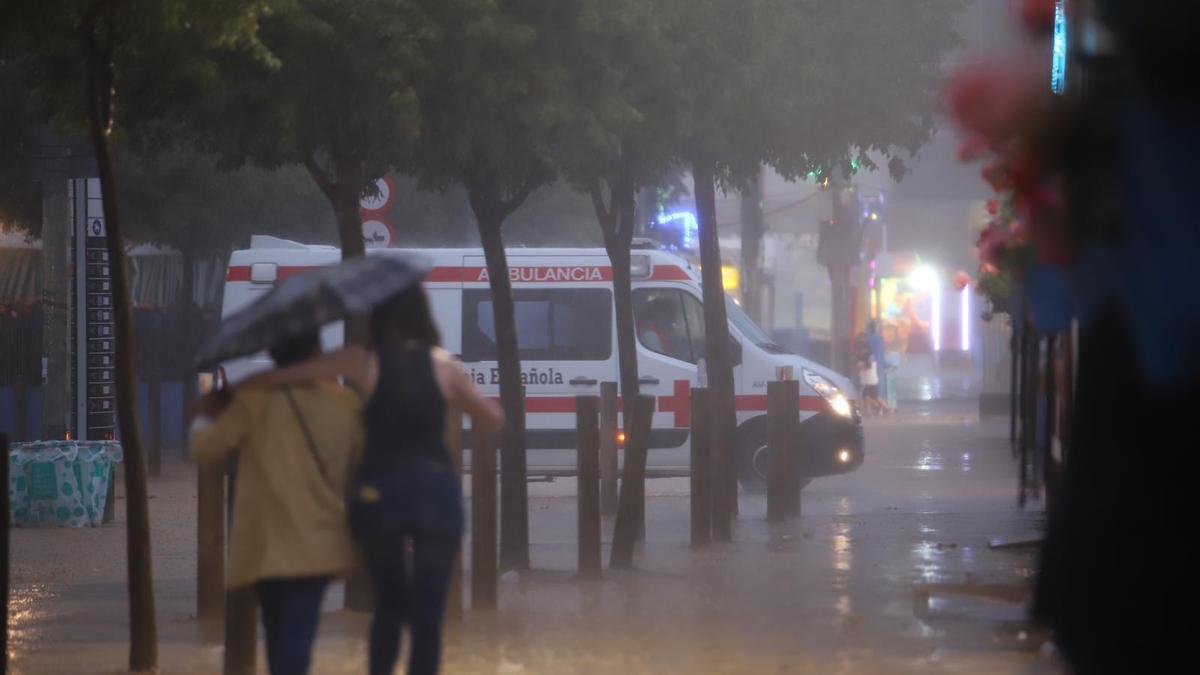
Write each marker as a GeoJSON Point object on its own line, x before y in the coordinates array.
{"type": "Point", "coordinates": [754, 458]}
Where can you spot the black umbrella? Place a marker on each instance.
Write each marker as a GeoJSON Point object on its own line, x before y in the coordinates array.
{"type": "Point", "coordinates": [306, 302]}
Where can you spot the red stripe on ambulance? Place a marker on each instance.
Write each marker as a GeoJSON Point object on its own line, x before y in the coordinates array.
{"type": "Point", "coordinates": [558, 274]}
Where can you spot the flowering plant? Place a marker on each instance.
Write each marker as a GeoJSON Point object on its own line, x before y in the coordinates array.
{"type": "Point", "coordinates": [1008, 116]}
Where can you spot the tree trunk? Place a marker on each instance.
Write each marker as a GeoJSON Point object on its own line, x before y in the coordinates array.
{"type": "Point", "coordinates": [617, 224]}
{"type": "Point", "coordinates": [346, 195]}
{"type": "Point", "coordinates": [347, 192]}
{"type": "Point", "coordinates": [717, 354]}
{"type": "Point", "coordinates": [514, 507]}
{"type": "Point", "coordinates": [753, 229]}
{"type": "Point", "coordinates": [143, 643]}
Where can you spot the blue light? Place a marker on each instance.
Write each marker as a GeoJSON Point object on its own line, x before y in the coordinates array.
{"type": "Point", "coordinates": [690, 228]}
{"type": "Point", "coordinates": [1058, 66]}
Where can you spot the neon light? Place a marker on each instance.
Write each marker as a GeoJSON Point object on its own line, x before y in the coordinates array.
{"type": "Point", "coordinates": [691, 228]}
{"type": "Point", "coordinates": [1058, 65]}
{"type": "Point", "coordinates": [965, 311]}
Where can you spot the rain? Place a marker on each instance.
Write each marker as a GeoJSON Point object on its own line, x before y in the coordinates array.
{"type": "Point", "coordinates": [596, 336]}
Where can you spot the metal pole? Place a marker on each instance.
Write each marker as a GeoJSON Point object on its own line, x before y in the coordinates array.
{"type": "Point", "coordinates": [210, 549]}
{"type": "Point", "coordinates": [454, 445]}
{"type": "Point", "coordinates": [701, 473]}
{"type": "Point", "coordinates": [633, 485]}
{"type": "Point", "coordinates": [484, 553]}
{"type": "Point", "coordinates": [154, 396]}
{"type": "Point", "coordinates": [783, 410]}
{"type": "Point", "coordinates": [608, 448]}
{"type": "Point", "coordinates": [587, 419]}
{"type": "Point", "coordinates": [241, 629]}
{"type": "Point", "coordinates": [5, 460]}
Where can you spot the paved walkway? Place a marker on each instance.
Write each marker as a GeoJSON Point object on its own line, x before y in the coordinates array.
{"type": "Point", "coordinates": [829, 593]}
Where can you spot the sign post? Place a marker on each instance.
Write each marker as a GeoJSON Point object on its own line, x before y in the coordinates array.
{"type": "Point", "coordinates": [95, 353]}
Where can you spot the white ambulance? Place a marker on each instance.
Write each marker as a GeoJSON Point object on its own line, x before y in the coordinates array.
{"type": "Point", "coordinates": [567, 336]}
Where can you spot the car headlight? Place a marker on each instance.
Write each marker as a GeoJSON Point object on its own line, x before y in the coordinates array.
{"type": "Point", "coordinates": [828, 391]}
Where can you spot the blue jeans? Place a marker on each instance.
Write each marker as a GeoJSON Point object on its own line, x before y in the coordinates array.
{"type": "Point", "coordinates": [419, 506]}
{"type": "Point", "coordinates": [416, 598]}
{"type": "Point", "coordinates": [291, 610]}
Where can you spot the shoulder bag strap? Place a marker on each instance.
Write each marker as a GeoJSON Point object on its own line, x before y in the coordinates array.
{"type": "Point", "coordinates": [312, 446]}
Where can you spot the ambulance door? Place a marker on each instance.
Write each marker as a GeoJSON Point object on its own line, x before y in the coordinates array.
{"type": "Point", "coordinates": [670, 333]}
{"type": "Point", "coordinates": [564, 315]}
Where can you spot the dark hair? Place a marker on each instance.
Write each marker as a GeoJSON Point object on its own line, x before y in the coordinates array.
{"type": "Point", "coordinates": [296, 349]}
{"type": "Point", "coordinates": [404, 318]}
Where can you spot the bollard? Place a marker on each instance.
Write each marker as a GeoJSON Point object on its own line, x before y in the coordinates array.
{"type": "Point", "coordinates": [6, 518]}
{"type": "Point", "coordinates": [484, 553]}
{"type": "Point", "coordinates": [783, 477]}
{"type": "Point", "coordinates": [454, 445]}
{"type": "Point", "coordinates": [587, 419]}
{"type": "Point", "coordinates": [241, 632]}
{"type": "Point", "coordinates": [608, 448]}
{"type": "Point", "coordinates": [701, 472]}
{"type": "Point", "coordinates": [154, 413]}
{"type": "Point", "coordinates": [721, 444]}
{"type": "Point", "coordinates": [210, 550]}
{"type": "Point", "coordinates": [241, 628]}
{"type": "Point", "coordinates": [631, 514]}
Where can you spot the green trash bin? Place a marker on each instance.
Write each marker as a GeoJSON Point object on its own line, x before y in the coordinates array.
{"type": "Point", "coordinates": [94, 468]}
{"type": "Point", "coordinates": [60, 483]}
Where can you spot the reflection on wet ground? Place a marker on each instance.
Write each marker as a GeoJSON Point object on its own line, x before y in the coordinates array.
{"type": "Point", "coordinates": [832, 592]}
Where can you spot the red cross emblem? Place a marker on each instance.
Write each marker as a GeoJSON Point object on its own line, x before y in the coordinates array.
{"type": "Point", "coordinates": [680, 404]}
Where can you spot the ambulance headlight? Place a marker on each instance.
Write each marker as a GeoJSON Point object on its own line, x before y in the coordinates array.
{"type": "Point", "coordinates": [828, 391]}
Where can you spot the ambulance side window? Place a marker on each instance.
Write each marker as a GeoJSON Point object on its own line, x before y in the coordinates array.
{"type": "Point", "coordinates": [694, 312]}
{"type": "Point", "coordinates": [663, 326]}
{"type": "Point", "coordinates": [570, 324]}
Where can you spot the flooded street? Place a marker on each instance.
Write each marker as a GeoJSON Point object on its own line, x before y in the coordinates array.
{"type": "Point", "coordinates": [840, 590]}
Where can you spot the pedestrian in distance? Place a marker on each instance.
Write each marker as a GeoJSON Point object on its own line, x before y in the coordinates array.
{"type": "Point", "coordinates": [405, 500]}
{"type": "Point", "coordinates": [289, 536]}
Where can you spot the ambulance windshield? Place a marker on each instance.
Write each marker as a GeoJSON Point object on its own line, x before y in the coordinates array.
{"type": "Point", "coordinates": [750, 330]}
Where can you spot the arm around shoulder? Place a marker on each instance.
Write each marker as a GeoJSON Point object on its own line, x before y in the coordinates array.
{"type": "Point", "coordinates": [460, 392]}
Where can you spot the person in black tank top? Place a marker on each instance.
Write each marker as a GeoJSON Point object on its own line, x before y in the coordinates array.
{"type": "Point", "coordinates": [407, 493]}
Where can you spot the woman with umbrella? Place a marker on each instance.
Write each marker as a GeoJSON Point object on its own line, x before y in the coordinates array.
{"type": "Point", "coordinates": [406, 491]}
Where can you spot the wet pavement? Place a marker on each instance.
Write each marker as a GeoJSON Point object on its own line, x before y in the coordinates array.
{"type": "Point", "coordinates": [832, 592]}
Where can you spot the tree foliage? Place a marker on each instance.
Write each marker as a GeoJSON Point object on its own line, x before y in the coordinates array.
{"type": "Point", "coordinates": [185, 200]}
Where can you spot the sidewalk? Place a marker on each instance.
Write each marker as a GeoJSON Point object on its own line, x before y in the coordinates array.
{"type": "Point", "coordinates": [829, 593]}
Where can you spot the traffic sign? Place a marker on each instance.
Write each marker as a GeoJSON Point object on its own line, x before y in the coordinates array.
{"type": "Point", "coordinates": [382, 201]}
{"type": "Point", "coordinates": [377, 234]}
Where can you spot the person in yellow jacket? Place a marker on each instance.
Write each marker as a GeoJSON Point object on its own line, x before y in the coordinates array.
{"type": "Point", "coordinates": [289, 537]}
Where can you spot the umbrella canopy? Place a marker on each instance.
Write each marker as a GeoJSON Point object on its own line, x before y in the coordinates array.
{"type": "Point", "coordinates": [305, 302]}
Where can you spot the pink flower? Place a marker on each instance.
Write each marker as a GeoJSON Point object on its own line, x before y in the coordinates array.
{"type": "Point", "coordinates": [1019, 233]}
{"type": "Point", "coordinates": [993, 242]}
{"type": "Point", "coordinates": [993, 207]}
{"type": "Point", "coordinates": [971, 149]}
{"type": "Point", "coordinates": [991, 100]}
{"type": "Point", "coordinates": [1037, 15]}
{"type": "Point", "coordinates": [961, 280]}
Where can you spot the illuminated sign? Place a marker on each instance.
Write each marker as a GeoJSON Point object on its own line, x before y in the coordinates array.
{"type": "Point", "coordinates": [689, 228]}
{"type": "Point", "coordinates": [731, 278]}
{"type": "Point", "coordinates": [1058, 64]}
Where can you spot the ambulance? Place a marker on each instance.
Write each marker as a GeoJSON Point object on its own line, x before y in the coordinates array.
{"type": "Point", "coordinates": [566, 330]}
